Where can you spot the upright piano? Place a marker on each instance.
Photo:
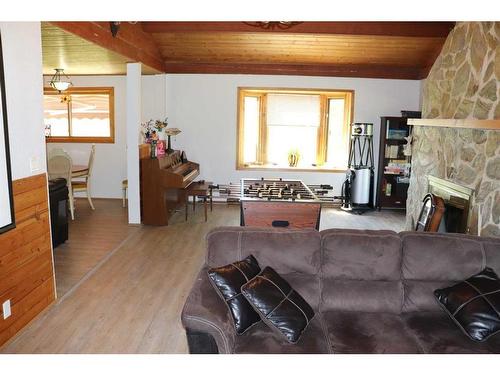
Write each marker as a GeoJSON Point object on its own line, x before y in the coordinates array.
{"type": "Point", "coordinates": [163, 185]}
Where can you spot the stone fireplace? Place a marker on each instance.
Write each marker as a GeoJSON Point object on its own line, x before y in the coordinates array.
{"type": "Point", "coordinates": [468, 158]}
{"type": "Point", "coordinates": [457, 199]}
{"type": "Point", "coordinates": [462, 84]}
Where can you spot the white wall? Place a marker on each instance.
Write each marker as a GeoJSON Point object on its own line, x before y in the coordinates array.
{"type": "Point", "coordinates": [22, 59]}
{"type": "Point", "coordinates": [153, 97]}
{"type": "Point", "coordinates": [204, 107]}
{"type": "Point", "coordinates": [110, 164]}
{"type": "Point", "coordinates": [134, 114]}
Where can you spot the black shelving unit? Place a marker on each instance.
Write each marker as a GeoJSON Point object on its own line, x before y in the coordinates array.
{"type": "Point", "coordinates": [393, 182]}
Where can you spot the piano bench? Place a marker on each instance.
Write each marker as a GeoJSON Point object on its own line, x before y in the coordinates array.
{"type": "Point", "coordinates": [199, 189]}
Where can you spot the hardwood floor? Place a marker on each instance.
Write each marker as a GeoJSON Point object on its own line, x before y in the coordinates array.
{"type": "Point", "coordinates": [385, 219]}
{"type": "Point", "coordinates": [132, 302]}
{"type": "Point", "coordinates": [92, 236]}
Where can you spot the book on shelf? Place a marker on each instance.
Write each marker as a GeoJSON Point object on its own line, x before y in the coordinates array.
{"type": "Point", "coordinates": [391, 151]}
{"type": "Point", "coordinates": [398, 167]}
{"type": "Point", "coordinates": [403, 179]}
{"type": "Point", "coordinates": [396, 134]}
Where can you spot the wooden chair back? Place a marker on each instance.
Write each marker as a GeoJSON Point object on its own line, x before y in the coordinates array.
{"type": "Point", "coordinates": [91, 159]}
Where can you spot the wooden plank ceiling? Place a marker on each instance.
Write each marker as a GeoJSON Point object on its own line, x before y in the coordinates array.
{"type": "Point", "coordinates": [79, 56]}
{"type": "Point", "coordinates": [403, 50]}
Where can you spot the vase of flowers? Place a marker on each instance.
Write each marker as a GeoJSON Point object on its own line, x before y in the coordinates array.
{"type": "Point", "coordinates": [147, 129]}
{"type": "Point", "coordinates": [293, 157]}
{"type": "Point", "coordinates": [160, 127]}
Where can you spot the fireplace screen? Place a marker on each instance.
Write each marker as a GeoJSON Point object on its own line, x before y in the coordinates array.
{"type": "Point", "coordinates": [431, 214]}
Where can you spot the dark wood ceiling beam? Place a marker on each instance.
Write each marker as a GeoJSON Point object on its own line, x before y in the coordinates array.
{"type": "Point", "coordinates": [131, 41]}
{"type": "Point", "coordinates": [415, 29]}
{"type": "Point", "coordinates": [361, 71]}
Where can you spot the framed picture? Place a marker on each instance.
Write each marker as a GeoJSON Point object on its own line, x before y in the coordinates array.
{"type": "Point", "coordinates": [7, 219]}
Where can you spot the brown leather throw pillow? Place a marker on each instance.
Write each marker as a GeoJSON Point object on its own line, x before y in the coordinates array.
{"type": "Point", "coordinates": [279, 306]}
{"type": "Point", "coordinates": [474, 304]}
{"type": "Point", "coordinates": [227, 281]}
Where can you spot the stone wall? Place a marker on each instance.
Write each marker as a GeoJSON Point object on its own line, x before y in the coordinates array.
{"type": "Point", "coordinates": [463, 83]}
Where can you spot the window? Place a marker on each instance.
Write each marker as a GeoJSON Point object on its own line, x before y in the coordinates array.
{"type": "Point", "coordinates": [272, 123]}
{"type": "Point", "coordinates": [79, 115]}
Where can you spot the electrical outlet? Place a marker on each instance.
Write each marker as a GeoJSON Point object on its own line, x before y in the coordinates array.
{"type": "Point", "coordinates": [35, 164]}
{"type": "Point", "coordinates": [6, 309]}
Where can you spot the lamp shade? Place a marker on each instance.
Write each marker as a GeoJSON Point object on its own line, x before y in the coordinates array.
{"type": "Point", "coordinates": [172, 131]}
{"type": "Point", "coordinates": [61, 86]}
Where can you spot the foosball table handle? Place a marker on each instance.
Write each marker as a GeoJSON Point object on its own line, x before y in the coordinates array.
{"type": "Point", "coordinates": [280, 223]}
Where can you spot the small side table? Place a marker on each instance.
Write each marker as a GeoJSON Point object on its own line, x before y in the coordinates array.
{"type": "Point", "coordinates": [199, 189]}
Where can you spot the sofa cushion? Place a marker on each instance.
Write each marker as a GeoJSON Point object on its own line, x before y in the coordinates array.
{"type": "Point", "coordinates": [492, 253]}
{"type": "Point", "coordinates": [360, 332]}
{"type": "Point", "coordinates": [361, 256]}
{"type": "Point", "coordinates": [377, 232]}
{"type": "Point", "coordinates": [286, 250]}
{"type": "Point", "coordinates": [440, 257]}
{"type": "Point", "coordinates": [307, 286]}
{"type": "Point", "coordinates": [361, 271]}
{"type": "Point", "coordinates": [419, 294]}
{"type": "Point", "coordinates": [227, 281]}
{"type": "Point", "coordinates": [436, 260]}
{"type": "Point", "coordinates": [474, 304]}
{"type": "Point", "coordinates": [362, 295]}
{"type": "Point", "coordinates": [278, 304]}
{"type": "Point", "coordinates": [437, 334]}
{"type": "Point", "coordinates": [263, 340]}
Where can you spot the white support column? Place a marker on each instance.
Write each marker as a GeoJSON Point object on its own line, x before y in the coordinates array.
{"type": "Point", "coordinates": [133, 124]}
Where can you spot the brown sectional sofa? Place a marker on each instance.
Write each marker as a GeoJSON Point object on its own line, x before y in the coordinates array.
{"type": "Point", "coordinates": [372, 291]}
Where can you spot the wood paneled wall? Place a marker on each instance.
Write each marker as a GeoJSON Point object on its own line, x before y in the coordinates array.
{"type": "Point", "coordinates": [26, 269]}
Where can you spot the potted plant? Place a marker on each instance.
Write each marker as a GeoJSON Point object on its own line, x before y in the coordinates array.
{"type": "Point", "coordinates": [293, 157]}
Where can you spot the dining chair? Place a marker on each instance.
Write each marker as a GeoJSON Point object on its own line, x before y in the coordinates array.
{"type": "Point", "coordinates": [59, 166]}
{"type": "Point", "coordinates": [56, 151]}
{"type": "Point", "coordinates": [124, 192]}
{"type": "Point", "coordinates": [84, 185]}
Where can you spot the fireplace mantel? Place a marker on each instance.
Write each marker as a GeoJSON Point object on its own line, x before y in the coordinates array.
{"type": "Point", "coordinates": [456, 123]}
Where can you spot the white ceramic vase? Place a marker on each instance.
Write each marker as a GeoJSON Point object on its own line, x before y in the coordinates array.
{"type": "Point", "coordinates": [161, 135]}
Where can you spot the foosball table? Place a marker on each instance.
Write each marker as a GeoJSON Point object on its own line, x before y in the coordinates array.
{"type": "Point", "coordinates": [278, 203]}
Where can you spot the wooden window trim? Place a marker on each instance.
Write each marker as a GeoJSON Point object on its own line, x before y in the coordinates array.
{"type": "Point", "coordinates": [348, 97]}
{"type": "Point", "coordinates": [239, 131]}
{"type": "Point", "coordinates": [295, 169]}
{"type": "Point", "coordinates": [263, 129]}
{"type": "Point", "coordinates": [322, 141]}
{"type": "Point", "coordinates": [110, 91]}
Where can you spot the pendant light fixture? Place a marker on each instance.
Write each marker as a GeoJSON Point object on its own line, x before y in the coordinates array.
{"type": "Point", "coordinates": [60, 81]}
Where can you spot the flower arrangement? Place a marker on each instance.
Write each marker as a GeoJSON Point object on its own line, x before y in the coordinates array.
{"type": "Point", "coordinates": [150, 129]}
{"type": "Point", "coordinates": [160, 125]}
{"type": "Point", "coordinates": [293, 157]}
{"type": "Point", "coordinates": [147, 130]}
{"type": "Point", "coordinates": [65, 98]}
